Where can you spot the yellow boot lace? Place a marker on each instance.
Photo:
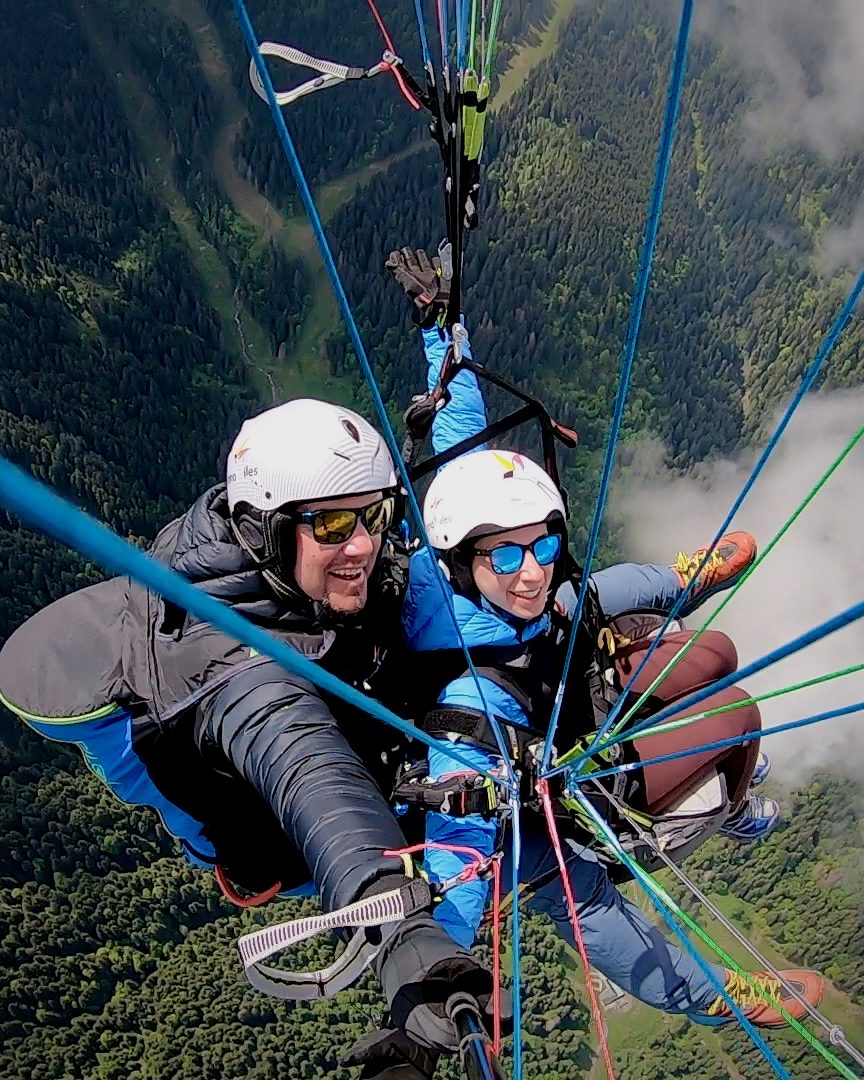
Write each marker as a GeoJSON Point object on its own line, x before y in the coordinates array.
{"type": "Point", "coordinates": [687, 565]}
{"type": "Point", "coordinates": [744, 992]}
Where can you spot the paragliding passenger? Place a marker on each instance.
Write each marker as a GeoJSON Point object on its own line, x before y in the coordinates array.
{"type": "Point", "coordinates": [497, 524]}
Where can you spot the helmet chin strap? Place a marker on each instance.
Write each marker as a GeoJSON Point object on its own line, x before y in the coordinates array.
{"type": "Point", "coordinates": [284, 589]}
{"type": "Point", "coordinates": [270, 566]}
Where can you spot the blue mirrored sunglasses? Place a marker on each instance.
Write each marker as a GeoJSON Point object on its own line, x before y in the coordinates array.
{"type": "Point", "coordinates": [508, 558]}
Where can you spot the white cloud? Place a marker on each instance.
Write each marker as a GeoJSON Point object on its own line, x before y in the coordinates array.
{"type": "Point", "coordinates": [815, 572]}
{"type": "Point", "coordinates": [844, 246]}
{"type": "Point", "coordinates": [809, 62]}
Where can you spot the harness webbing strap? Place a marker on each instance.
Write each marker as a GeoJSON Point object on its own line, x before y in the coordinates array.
{"type": "Point", "coordinates": [330, 73]}
{"type": "Point", "coordinates": [371, 911]}
{"type": "Point", "coordinates": [297, 56]}
{"type": "Point", "coordinates": [312, 985]}
{"type": "Point", "coordinates": [387, 907]}
{"type": "Point", "coordinates": [457, 794]}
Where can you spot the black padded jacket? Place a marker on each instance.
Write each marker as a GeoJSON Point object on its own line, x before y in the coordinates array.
{"type": "Point", "coordinates": [288, 781]}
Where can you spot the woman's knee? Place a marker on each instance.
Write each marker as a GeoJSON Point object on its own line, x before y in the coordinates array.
{"type": "Point", "coordinates": [736, 718]}
{"type": "Point", "coordinates": [710, 657]}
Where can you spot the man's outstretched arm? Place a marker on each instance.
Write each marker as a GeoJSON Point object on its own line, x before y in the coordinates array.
{"type": "Point", "coordinates": [278, 733]}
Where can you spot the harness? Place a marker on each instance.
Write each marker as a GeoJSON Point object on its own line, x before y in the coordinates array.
{"type": "Point", "coordinates": [676, 832]}
{"type": "Point", "coordinates": [530, 675]}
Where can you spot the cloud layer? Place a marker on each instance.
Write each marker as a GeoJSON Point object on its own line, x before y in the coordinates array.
{"type": "Point", "coordinates": [809, 59]}
{"type": "Point", "coordinates": [815, 572]}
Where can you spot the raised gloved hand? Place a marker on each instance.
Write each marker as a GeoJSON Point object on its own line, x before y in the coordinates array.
{"type": "Point", "coordinates": [389, 1054]}
{"type": "Point", "coordinates": [422, 279]}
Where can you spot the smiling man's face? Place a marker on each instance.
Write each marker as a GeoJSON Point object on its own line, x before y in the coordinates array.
{"type": "Point", "coordinates": [337, 574]}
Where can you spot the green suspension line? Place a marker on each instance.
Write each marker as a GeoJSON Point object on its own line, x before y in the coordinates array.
{"type": "Point", "coordinates": [650, 885]}
{"type": "Point", "coordinates": [733, 965]}
{"type": "Point", "coordinates": [471, 37]}
{"type": "Point", "coordinates": [679, 656]}
{"type": "Point", "coordinates": [673, 725]}
{"type": "Point", "coordinates": [492, 40]}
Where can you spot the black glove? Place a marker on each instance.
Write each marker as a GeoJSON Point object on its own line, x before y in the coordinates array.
{"type": "Point", "coordinates": [418, 418]}
{"type": "Point", "coordinates": [388, 1054]}
{"type": "Point", "coordinates": [423, 280]}
{"type": "Point", "coordinates": [420, 968]}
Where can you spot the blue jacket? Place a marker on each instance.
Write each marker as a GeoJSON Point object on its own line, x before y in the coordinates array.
{"type": "Point", "coordinates": [428, 625]}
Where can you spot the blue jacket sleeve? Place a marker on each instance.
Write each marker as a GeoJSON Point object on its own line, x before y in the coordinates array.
{"type": "Point", "coordinates": [462, 908]}
{"type": "Point", "coordinates": [465, 414]}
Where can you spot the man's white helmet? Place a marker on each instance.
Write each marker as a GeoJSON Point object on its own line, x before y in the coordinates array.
{"type": "Point", "coordinates": [487, 491]}
{"type": "Point", "coordinates": [306, 450]}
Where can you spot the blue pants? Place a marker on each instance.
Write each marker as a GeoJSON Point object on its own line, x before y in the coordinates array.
{"type": "Point", "coordinates": [621, 941]}
{"type": "Point", "coordinates": [636, 585]}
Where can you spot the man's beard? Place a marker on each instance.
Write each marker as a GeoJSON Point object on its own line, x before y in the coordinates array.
{"type": "Point", "coordinates": [331, 619]}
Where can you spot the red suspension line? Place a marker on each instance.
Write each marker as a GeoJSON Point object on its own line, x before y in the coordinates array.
{"type": "Point", "coordinates": [472, 871]}
{"type": "Point", "coordinates": [392, 68]}
{"type": "Point", "coordinates": [543, 792]}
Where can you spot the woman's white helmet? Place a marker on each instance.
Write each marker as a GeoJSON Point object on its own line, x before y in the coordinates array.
{"type": "Point", "coordinates": [485, 492]}
{"type": "Point", "coordinates": [306, 450]}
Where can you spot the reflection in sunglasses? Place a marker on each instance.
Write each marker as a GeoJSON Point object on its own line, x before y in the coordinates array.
{"type": "Point", "coordinates": [336, 525]}
{"type": "Point", "coordinates": [508, 558]}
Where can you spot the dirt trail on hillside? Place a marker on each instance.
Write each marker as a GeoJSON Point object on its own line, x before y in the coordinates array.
{"type": "Point", "coordinates": [294, 234]}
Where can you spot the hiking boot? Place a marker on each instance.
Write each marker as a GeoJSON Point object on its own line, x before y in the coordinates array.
{"type": "Point", "coordinates": [755, 820]}
{"type": "Point", "coordinates": [761, 770]}
{"type": "Point", "coordinates": [809, 984]}
{"type": "Point", "coordinates": [727, 562]}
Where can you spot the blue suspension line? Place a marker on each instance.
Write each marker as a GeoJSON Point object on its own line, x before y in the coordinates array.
{"type": "Point", "coordinates": [38, 505]}
{"type": "Point", "coordinates": [421, 26]}
{"type": "Point", "coordinates": [845, 618]}
{"type": "Point", "coordinates": [673, 924]}
{"type": "Point", "coordinates": [461, 33]}
{"type": "Point", "coordinates": [719, 744]}
{"type": "Point", "coordinates": [824, 351]}
{"type": "Point", "coordinates": [351, 325]}
{"type": "Point", "coordinates": [643, 277]}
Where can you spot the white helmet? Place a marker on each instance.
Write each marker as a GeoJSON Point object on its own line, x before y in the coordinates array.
{"type": "Point", "coordinates": [306, 450]}
{"type": "Point", "coordinates": [301, 451]}
{"type": "Point", "coordinates": [487, 491]}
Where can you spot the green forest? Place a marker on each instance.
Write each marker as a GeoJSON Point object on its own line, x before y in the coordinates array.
{"type": "Point", "coordinates": [158, 283]}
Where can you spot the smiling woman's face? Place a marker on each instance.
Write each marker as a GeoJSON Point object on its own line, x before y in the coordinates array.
{"type": "Point", "coordinates": [522, 593]}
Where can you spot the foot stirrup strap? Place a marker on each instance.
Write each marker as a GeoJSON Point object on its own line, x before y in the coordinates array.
{"type": "Point", "coordinates": [387, 907]}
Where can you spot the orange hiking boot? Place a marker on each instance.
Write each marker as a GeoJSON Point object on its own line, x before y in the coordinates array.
{"type": "Point", "coordinates": [727, 562]}
{"type": "Point", "coordinates": [761, 1013]}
